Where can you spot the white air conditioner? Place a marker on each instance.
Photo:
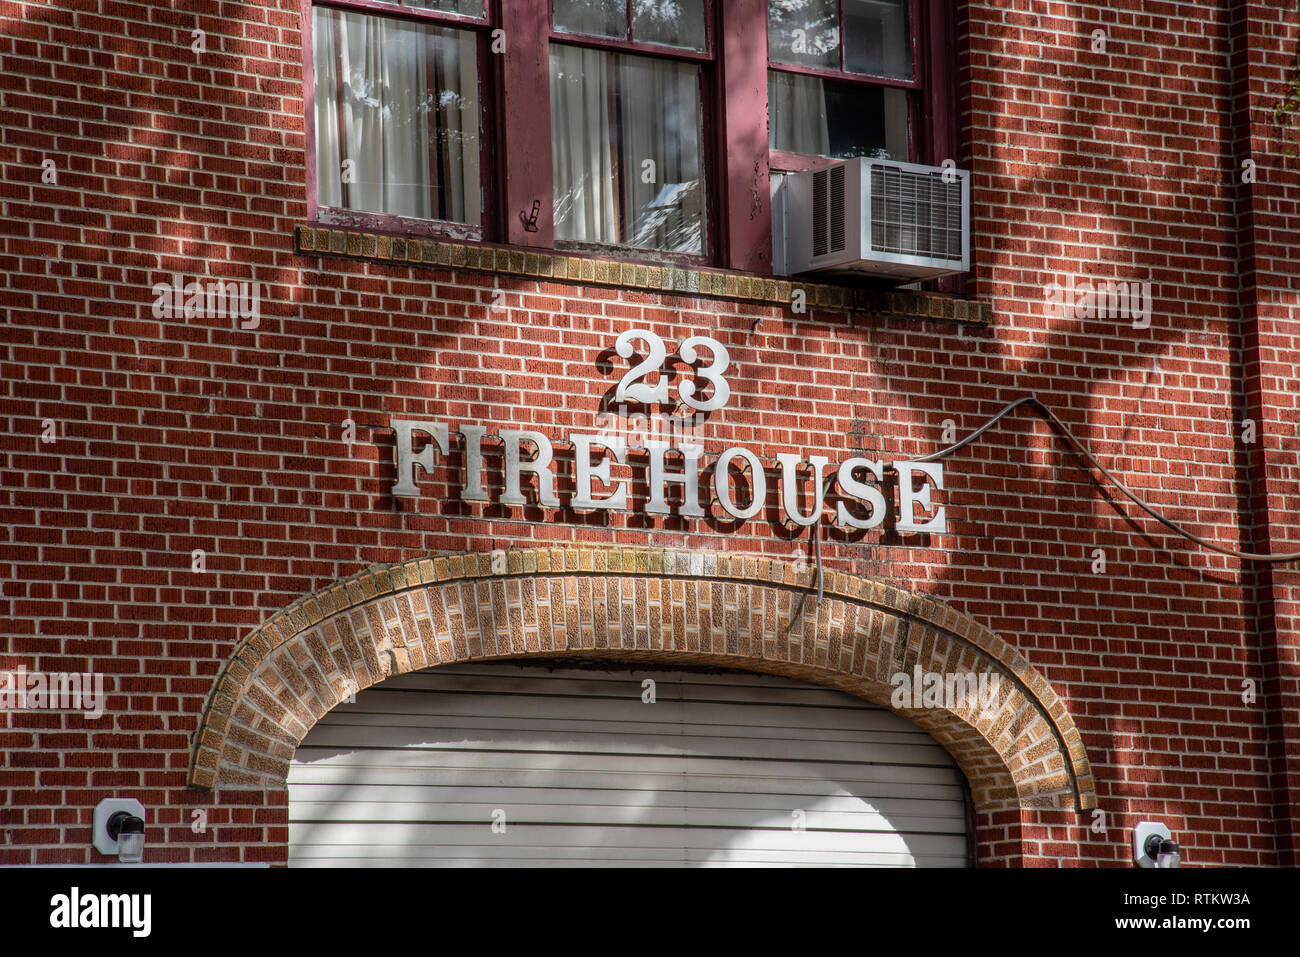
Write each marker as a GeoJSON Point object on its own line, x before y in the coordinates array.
{"type": "Point", "coordinates": [877, 217]}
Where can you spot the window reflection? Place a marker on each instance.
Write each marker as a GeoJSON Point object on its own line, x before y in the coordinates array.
{"type": "Point", "coordinates": [626, 134]}
{"type": "Point", "coordinates": [678, 23]}
{"type": "Point", "coordinates": [877, 37]}
{"type": "Point", "coordinates": [468, 8]}
{"type": "Point", "coordinates": [804, 32]}
{"type": "Point", "coordinates": [598, 18]}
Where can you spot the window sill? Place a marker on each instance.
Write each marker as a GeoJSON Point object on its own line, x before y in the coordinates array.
{"type": "Point", "coordinates": [590, 270]}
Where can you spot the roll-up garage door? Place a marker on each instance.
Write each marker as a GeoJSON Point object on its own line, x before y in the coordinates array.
{"type": "Point", "coordinates": [507, 764]}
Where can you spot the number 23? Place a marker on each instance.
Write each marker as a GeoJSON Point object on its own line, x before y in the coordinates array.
{"type": "Point", "coordinates": [632, 389]}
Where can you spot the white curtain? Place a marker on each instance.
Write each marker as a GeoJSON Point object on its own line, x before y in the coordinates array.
{"type": "Point", "coordinates": [397, 115]}
{"type": "Point", "coordinates": [582, 156]}
{"type": "Point", "coordinates": [625, 149]}
{"type": "Point", "coordinates": [797, 114]}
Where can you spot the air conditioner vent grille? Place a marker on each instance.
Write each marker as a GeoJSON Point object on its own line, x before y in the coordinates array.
{"type": "Point", "coordinates": [836, 239]}
{"type": "Point", "coordinates": [819, 213]}
{"type": "Point", "coordinates": [915, 213]}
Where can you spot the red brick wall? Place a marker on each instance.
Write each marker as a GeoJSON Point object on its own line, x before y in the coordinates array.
{"type": "Point", "coordinates": [1267, 211]}
{"type": "Point", "coordinates": [182, 435]}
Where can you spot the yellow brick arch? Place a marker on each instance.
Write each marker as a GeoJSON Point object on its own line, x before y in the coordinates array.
{"type": "Point", "coordinates": [692, 607]}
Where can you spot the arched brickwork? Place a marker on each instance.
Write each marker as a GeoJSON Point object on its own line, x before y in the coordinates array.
{"type": "Point", "coordinates": [636, 604]}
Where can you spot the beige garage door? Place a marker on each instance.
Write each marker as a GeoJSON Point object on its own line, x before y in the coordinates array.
{"type": "Point", "coordinates": [506, 764]}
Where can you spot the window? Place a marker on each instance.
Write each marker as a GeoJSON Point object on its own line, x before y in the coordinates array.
{"type": "Point", "coordinates": [397, 116]}
{"type": "Point", "coordinates": [839, 75]}
{"type": "Point", "coordinates": [628, 153]}
{"type": "Point", "coordinates": [647, 129]}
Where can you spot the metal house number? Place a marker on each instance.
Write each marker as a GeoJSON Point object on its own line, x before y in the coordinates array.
{"type": "Point", "coordinates": [632, 389]}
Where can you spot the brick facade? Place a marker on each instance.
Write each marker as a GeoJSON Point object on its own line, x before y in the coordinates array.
{"type": "Point", "coordinates": [136, 441]}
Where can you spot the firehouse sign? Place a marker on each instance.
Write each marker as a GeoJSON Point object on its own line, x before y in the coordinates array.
{"type": "Point", "coordinates": [860, 480]}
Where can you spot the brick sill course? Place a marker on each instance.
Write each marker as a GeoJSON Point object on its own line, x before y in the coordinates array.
{"type": "Point", "coordinates": [713, 283]}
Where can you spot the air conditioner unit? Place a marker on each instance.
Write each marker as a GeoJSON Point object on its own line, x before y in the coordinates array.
{"type": "Point", "coordinates": [877, 217]}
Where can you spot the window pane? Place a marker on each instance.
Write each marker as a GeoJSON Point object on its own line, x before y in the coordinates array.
{"type": "Point", "coordinates": [877, 38]}
{"type": "Point", "coordinates": [676, 23]}
{"type": "Point", "coordinates": [468, 8]}
{"type": "Point", "coordinates": [600, 18]}
{"type": "Point", "coordinates": [397, 123]}
{"type": "Point", "coordinates": [806, 32]}
{"type": "Point", "coordinates": [807, 114]}
{"type": "Point", "coordinates": [626, 134]}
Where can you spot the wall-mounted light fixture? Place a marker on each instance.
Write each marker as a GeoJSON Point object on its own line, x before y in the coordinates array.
{"type": "Point", "coordinates": [1153, 846]}
{"type": "Point", "coordinates": [119, 829]}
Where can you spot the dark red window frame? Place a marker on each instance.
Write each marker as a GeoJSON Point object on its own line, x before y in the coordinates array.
{"type": "Point", "coordinates": [919, 109]}
{"type": "Point", "coordinates": [388, 222]}
{"type": "Point", "coordinates": [515, 122]}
